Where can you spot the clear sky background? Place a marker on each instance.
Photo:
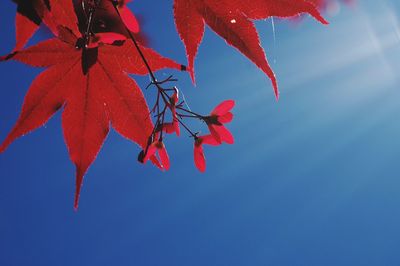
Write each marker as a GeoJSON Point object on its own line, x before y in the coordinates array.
{"type": "Point", "coordinates": [312, 179]}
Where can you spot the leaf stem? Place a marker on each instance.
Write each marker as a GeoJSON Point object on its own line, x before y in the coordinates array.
{"type": "Point", "coordinates": [92, 10]}
{"type": "Point", "coordinates": [190, 112]}
{"type": "Point", "coordinates": [153, 77]}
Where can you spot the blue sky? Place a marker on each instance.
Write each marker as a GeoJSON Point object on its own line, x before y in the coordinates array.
{"type": "Point", "coordinates": [312, 179]}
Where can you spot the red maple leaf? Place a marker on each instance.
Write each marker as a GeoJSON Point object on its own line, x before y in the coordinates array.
{"type": "Point", "coordinates": [89, 84]}
{"type": "Point", "coordinates": [233, 21]}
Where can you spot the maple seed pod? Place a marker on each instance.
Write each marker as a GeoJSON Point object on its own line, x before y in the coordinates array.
{"type": "Point", "coordinates": [212, 120]}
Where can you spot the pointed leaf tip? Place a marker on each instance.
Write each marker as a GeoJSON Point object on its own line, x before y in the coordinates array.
{"type": "Point", "coordinates": [78, 185]}
{"type": "Point", "coordinates": [3, 148]}
{"type": "Point", "coordinates": [192, 75]}
{"type": "Point", "coordinates": [275, 87]}
{"type": "Point", "coordinates": [5, 144]}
